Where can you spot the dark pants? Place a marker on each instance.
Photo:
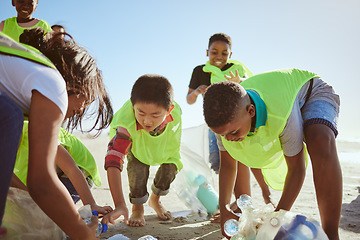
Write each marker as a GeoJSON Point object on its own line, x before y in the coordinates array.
{"type": "Point", "coordinates": [138, 174]}
{"type": "Point", "coordinates": [11, 124]}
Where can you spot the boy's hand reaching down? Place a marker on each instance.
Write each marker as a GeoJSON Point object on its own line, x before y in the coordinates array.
{"type": "Point", "coordinates": [115, 214]}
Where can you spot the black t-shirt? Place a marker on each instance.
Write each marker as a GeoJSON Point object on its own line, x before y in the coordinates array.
{"type": "Point", "coordinates": [199, 77]}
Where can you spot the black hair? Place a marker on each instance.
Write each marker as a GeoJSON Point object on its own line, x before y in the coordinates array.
{"type": "Point", "coordinates": [220, 37]}
{"type": "Point", "coordinates": [222, 100]}
{"type": "Point", "coordinates": [80, 73]}
{"type": "Point", "coordinates": [153, 88]}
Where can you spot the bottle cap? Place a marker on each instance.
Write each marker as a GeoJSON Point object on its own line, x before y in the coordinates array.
{"type": "Point", "coordinates": [200, 180]}
{"type": "Point", "coordinates": [94, 213]}
{"type": "Point", "coordinates": [104, 227]}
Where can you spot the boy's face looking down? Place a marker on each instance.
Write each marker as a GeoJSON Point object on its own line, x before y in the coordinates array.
{"type": "Point", "coordinates": [237, 129]}
{"type": "Point", "coordinates": [150, 115]}
{"type": "Point", "coordinates": [25, 8]}
{"type": "Point", "coordinates": [219, 52]}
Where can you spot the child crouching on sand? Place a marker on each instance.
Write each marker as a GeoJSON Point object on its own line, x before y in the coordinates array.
{"type": "Point", "coordinates": [147, 129]}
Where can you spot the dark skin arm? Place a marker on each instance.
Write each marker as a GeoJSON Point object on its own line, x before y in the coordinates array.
{"type": "Point", "coordinates": [294, 180]}
{"type": "Point", "coordinates": [193, 93]}
{"type": "Point", "coordinates": [229, 168]}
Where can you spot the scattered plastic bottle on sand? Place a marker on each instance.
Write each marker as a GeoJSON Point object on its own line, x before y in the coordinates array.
{"type": "Point", "coordinates": [147, 237]}
{"type": "Point", "coordinates": [207, 194]}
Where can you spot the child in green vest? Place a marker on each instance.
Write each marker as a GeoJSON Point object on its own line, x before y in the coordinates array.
{"type": "Point", "coordinates": [270, 116]}
{"type": "Point", "coordinates": [59, 80]}
{"type": "Point", "coordinates": [15, 26]}
{"type": "Point", "coordinates": [220, 68]}
{"type": "Point", "coordinates": [76, 168]}
{"type": "Point", "coordinates": [147, 130]}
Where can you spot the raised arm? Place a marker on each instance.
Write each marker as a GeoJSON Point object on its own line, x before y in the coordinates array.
{"type": "Point", "coordinates": [45, 188]}
{"type": "Point", "coordinates": [193, 93]}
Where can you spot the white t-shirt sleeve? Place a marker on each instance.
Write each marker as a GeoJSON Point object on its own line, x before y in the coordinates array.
{"type": "Point", "coordinates": [49, 83]}
{"type": "Point", "coordinates": [19, 77]}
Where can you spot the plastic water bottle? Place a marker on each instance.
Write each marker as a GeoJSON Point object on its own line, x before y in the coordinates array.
{"type": "Point", "coordinates": [244, 202]}
{"type": "Point", "coordinates": [147, 237]}
{"type": "Point", "coordinates": [231, 227]}
{"type": "Point", "coordinates": [301, 229]}
{"type": "Point", "coordinates": [207, 194]}
{"type": "Point", "coordinates": [101, 228]}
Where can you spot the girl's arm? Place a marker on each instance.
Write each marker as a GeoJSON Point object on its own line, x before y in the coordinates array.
{"type": "Point", "coordinates": [294, 180]}
{"type": "Point", "coordinates": [45, 188]}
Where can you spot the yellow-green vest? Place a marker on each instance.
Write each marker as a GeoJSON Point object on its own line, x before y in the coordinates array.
{"type": "Point", "coordinates": [11, 47]}
{"type": "Point", "coordinates": [72, 144]}
{"type": "Point", "coordinates": [278, 89]}
{"type": "Point", "coordinates": [218, 76]}
{"type": "Point", "coordinates": [151, 150]}
{"type": "Point", "coordinates": [13, 30]}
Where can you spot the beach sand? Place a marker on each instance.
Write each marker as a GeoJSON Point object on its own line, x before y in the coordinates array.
{"type": "Point", "coordinates": [187, 224]}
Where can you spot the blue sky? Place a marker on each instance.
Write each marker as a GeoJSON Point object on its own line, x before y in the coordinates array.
{"type": "Point", "coordinates": [170, 38]}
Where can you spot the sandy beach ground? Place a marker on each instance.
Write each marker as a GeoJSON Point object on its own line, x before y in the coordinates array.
{"type": "Point", "coordinates": [187, 224]}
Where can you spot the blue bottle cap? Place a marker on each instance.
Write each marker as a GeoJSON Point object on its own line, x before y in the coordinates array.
{"type": "Point", "coordinates": [104, 227]}
{"type": "Point", "coordinates": [94, 213]}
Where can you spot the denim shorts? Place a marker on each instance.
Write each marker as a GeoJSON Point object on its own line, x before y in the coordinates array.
{"type": "Point", "coordinates": [320, 112]}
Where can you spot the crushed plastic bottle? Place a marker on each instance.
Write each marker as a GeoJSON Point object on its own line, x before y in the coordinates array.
{"type": "Point", "coordinates": [244, 202]}
{"type": "Point", "coordinates": [231, 227]}
{"type": "Point", "coordinates": [147, 237]}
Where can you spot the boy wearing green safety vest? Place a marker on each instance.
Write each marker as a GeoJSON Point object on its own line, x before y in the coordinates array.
{"type": "Point", "coordinates": [15, 26]}
{"type": "Point", "coordinates": [147, 130]}
{"type": "Point", "coordinates": [76, 168]}
{"type": "Point", "coordinates": [264, 127]}
{"type": "Point", "coordinates": [220, 68]}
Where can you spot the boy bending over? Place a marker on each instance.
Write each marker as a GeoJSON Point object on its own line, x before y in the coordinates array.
{"type": "Point", "coordinates": [147, 129]}
{"type": "Point", "coordinates": [263, 123]}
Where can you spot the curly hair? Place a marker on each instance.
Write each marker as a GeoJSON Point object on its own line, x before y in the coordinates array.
{"type": "Point", "coordinates": [153, 88]}
{"type": "Point", "coordinates": [80, 73]}
{"type": "Point", "coordinates": [220, 37]}
{"type": "Point", "coordinates": [222, 101]}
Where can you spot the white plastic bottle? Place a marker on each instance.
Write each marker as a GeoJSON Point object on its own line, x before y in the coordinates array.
{"type": "Point", "coordinates": [147, 237]}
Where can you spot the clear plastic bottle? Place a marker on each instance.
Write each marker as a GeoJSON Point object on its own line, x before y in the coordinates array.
{"type": "Point", "coordinates": [231, 227]}
{"type": "Point", "coordinates": [244, 202]}
{"type": "Point", "coordinates": [101, 228]}
{"type": "Point", "coordinates": [147, 237]}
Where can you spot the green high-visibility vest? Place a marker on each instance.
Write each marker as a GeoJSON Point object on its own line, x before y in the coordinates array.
{"type": "Point", "coordinates": [11, 47]}
{"type": "Point", "coordinates": [151, 150]}
{"type": "Point", "coordinates": [278, 89]}
{"type": "Point", "coordinates": [81, 155]}
{"type": "Point", "coordinates": [218, 76]}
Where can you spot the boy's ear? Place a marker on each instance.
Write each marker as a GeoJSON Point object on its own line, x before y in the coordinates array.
{"type": "Point", "coordinates": [170, 109]}
{"type": "Point", "coordinates": [207, 52]}
{"type": "Point", "coordinates": [13, 2]}
{"type": "Point", "coordinates": [230, 54]}
{"type": "Point", "coordinates": [251, 110]}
